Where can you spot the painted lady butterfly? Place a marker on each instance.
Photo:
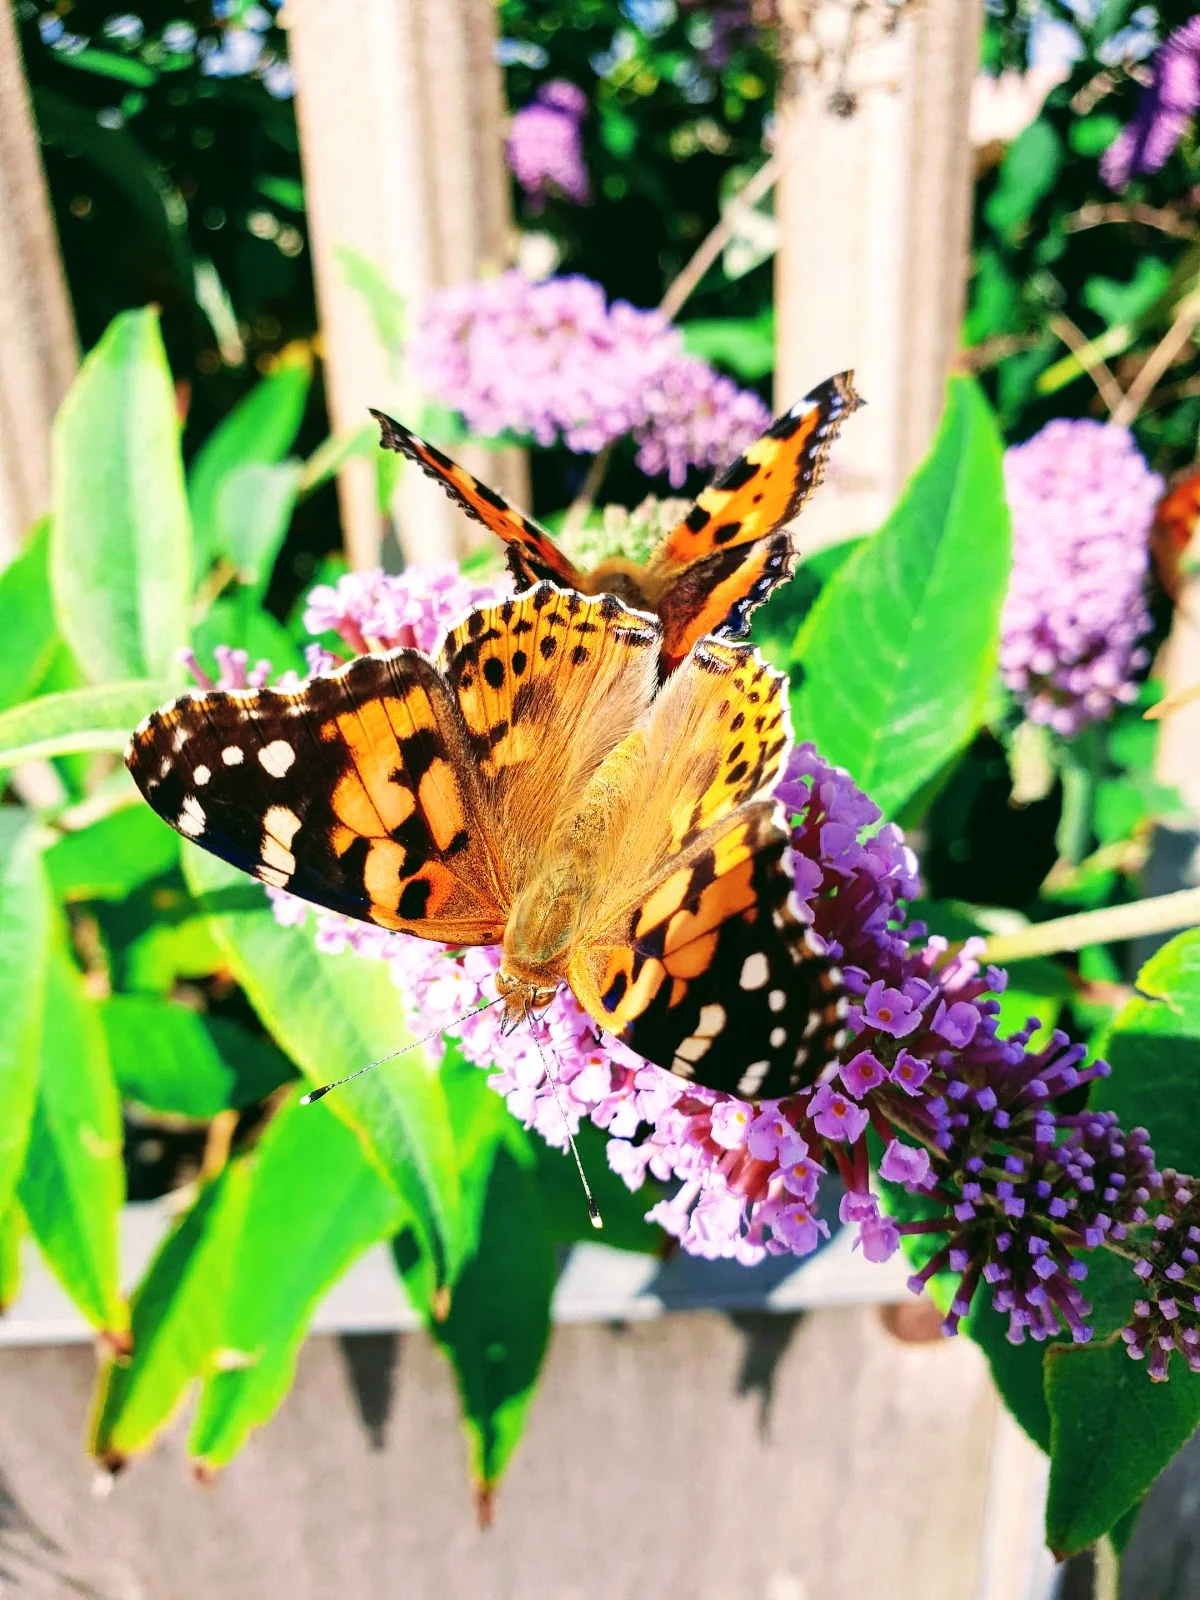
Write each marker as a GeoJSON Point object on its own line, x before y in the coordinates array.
{"type": "Point", "coordinates": [726, 556]}
{"type": "Point", "coordinates": [537, 789]}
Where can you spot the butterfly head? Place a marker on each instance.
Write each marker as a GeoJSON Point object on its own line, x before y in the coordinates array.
{"type": "Point", "coordinates": [524, 997]}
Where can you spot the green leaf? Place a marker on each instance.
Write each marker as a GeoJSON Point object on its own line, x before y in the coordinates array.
{"type": "Point", "coordinates": [176, 946]}
{"type": "Point", "coordinates": [105, 63]}
{"type": "Point", "coordinates": [240, 622]}
{"type": "Point", "coordinates": [332, 1015]}
{"type": "Point", "coordinates": [175, 1321]}
{"type": "Point", "coordinates": [254, 510]}
{"type": "Point", "coordinates": [314, 1205]}
{"type": "Point", "coordinates": [564, 1203]}
{"type": "Point", "coordinates": [120, 549]}
{"type": "Point", "coordinates": [499, 1320]}
{"type": "Point", "coordinates": [332, 454]}
{"type": "Point", "coordinates": [113, 856]}
{"type": "Point", "coordinates": [287, 192]}
{"type": "Point", "coordinates": [921, 603]}
{"type": "Point", "coordinates": [1154, 1050]}
{"type": "Point", "coordinates": [745, 345]}
{"type": "Point", "coordinates": [1027, 174]}
{"type": "Point", "coordinates": [1115, 301]}
{"type": "Point", "coordinates": [1112, 1431]}
{"type": "Point", "coordinates": [12, 1231]}
{"type": "Point", "coordinates": [1091, 136]}
{"type": "Point", "coordinates": [100, 717]}
{"type": "Point", "coordinates": [28, 630]}
{"type": "Point", "coordinates": [174, 1060]}
{"type": "Point", "coordinates": [384, 302]}
{"type": "Point", "coordinates": [73, 1184]}
{"type": "Point", "coordinates": [259, 431]}
{"type": "Point", "coordinates": [25, 923]}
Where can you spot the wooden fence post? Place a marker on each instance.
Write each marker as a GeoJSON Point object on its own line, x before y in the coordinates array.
{"type": "Point", "coordinates": [874, 208]}
{"type": "Point", "coordinates": [38, 348]}
{"type": "Point", "coordinates": [400, 106]}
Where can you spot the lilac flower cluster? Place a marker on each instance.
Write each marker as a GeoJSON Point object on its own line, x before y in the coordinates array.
{"type": "Point", "coordinates": [1165, 1317]}
{"type": "Point", "coordinates": [1082, 500]}
{"type": "Point", "coordinates": [545, 144]}
{"type": "Point", "coordinates": [1168, 103]}
{"type": "Point", "coordinates": [966, 1120]}
{"type": "Point", "coordinates": [554, 359]}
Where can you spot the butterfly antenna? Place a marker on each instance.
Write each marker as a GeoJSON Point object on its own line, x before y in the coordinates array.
{"type": "Point", "coordinates": [314, 1095]}
{"type": "Point", "coordinates": [594, 1216]}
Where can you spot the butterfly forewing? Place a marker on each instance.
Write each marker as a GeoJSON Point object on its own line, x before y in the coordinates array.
{"type": "Point", "coordinates": [532, 553]}
{"type": "Point", "coordinates": [355, 792]}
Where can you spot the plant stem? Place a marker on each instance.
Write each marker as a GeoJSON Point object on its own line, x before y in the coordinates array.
{"type": "Point", "coordinates": [1159, 359]}
{"type": "Point", "coordinates": [1106, 1570]}
{"type": "Point", "coordinates": [1162, 914]}
{"type": "Point", "coordinates": [1097, 369]}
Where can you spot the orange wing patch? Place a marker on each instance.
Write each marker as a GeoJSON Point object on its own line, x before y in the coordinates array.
{"type": "Point", "coordinates": [532, 553]}
{"type": "Point", "coordinates": [355, 792]}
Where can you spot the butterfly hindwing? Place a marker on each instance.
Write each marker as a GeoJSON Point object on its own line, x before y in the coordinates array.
{"type": "Point", "coordinates": [689, 951]}
{"type": "Point", "coordinates": [532, 553]}
{"type": "Point", "coordinates": [354, 792]}
{"type": "Point", "coordinates": [711, 975]}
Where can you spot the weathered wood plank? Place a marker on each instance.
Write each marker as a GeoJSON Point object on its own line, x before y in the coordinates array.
{"type": "Point", "coordinates": [698, 1457]}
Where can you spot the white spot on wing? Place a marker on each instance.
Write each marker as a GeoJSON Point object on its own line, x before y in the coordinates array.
{"type": "Point", "coordinates": [751, 1080]}
{"type": "Point", "coordinates": [693, 1047]}
{"type": "Point", "coordinates": [191, 818]}
{"type": "Point", "coordinates": [777, 999]}
{"type": "Point", "coordinates": [778, 1035]}
{"type": "Point", "coordinates": [712, 1020]}
{"type": "Point", "coordinates": [755, 971]}
{"type": "Point", "coordinates": [233, 755]}
{"type": "Point", "coordinates": [182, 735]}
{"type": "Point", "coordinates": [276, 757]}
{"type": "Point", "coordinates": [202, 775]}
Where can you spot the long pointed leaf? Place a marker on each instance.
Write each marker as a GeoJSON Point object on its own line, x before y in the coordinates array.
{"type": "Point", "coordinates": [314, 1205]}
{"type": "Point", "coordinates": [175, 1322]}
{"type": "Point", "coordinates": [332, 1015]}
{"type": "Point", "coordinates": [120, 553]}
{"type": "Point", "coordinates": [73, 1184]}
{"type": "Point", "coordinates": [25, 913]}
{"type": "Point", "coordinates": [899, 651]}
{"type": "Point", "coordinates": [97, 718]}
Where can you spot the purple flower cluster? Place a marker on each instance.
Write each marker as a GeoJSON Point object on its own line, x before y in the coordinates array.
{"type": "Point", "coordinates": [1167, 1315]}
{"type": "Point", "coordinates": [413, 609]}
{"type": "Point", "coordinates": [554, 359]}
{"type": "Point", "coordinates": [1168, 103]}
{"type": "Point", "coordinates": [545, 144]}
{"type": "Point", "coordinates": [966, 1121]}
{"type": "Point", "coordinates": [1082, 500]}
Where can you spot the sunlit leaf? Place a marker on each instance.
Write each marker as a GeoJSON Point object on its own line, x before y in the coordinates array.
{"type": "Point", "coordinates": [899, 652]}
{"type": "Point", "coordinates": [315, 1203]}
{"type": "Point", "coordinates": [120, 551]}
{"type": "Point", "coordinates": [333, 1014]}
{"type": "Point", "coordinates": [73, 1184]}
{"type": "Point", "coordinates": [100, 717]}
{"type": "Point", "coordinates": [25, 931]}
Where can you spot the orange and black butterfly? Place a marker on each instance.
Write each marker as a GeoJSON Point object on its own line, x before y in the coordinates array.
{"type": "Point", "coordinates": [710, 571]}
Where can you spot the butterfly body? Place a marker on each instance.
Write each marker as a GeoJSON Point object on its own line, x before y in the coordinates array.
{"type": "Point", "coordinates": [724, 558]}
{"type": "Point", "coordinates": [540, 790]}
